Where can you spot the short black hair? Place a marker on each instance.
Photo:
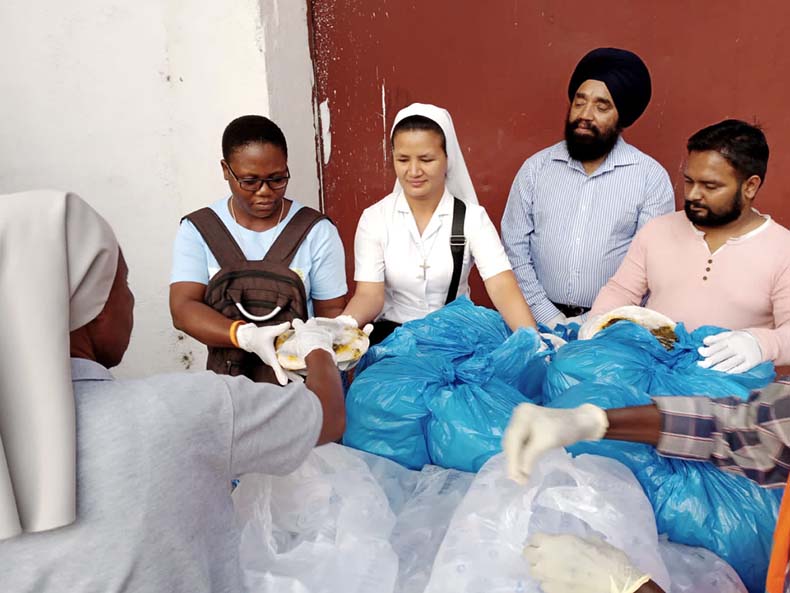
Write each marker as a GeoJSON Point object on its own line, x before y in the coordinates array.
{"type": "Point", "coordinates": [252, 129]}
{"type": "Point", "coordinates": [743, 145]}
{"type": "Point", "coordinates": [415, 123]}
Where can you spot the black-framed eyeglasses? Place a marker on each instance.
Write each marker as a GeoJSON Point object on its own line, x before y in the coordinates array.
{"type": "Point", "coordinates": [256, 183]}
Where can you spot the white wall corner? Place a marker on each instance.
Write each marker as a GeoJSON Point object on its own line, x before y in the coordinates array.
{"type": "Point", "coordinates": [289, 74]}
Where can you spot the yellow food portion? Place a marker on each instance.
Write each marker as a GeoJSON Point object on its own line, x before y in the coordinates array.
{"type": "Point", "coordinates": [352, 346]}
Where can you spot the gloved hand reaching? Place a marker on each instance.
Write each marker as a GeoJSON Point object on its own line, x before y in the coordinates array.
{"type": "Point", "coordinates": [308, 336]}
{"type": "Point", "coordinates": [569, 564]}
{"type": "Point", "coordinates": [558, 319]}
{"type": "Point", "coordinates": [579, 319]}
{"type": "Point", "coordinates": [260, 340]}
{"type": "Point", "coordinates": [730, 352]}
{"type": "Point", "coordinates": [533, 430]}
{"type": "Point", "coordinates": [338, 325]}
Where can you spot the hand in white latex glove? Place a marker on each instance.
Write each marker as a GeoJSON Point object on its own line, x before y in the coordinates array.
{"type": "Point", "coordinates": [730, 352]}
{"type": "Point", "coordinates": [588, 328]}
{"type": "Point", "coordinates": [337, 325]}
{"type": "Point", "coordinates": [260, 340]}
{"type": "Point", "coordinates": [580, 319]}
{"type": "Point", "coordinates": [556, 341]}
{"type": "Point", "coordinates": [309, 336]}
{"type": "Point", "coordinates": [559, 319]}
{"type": "Point", "coordinates": [570, 564]}
{"type": "Point", "coordinates": [533, 430]}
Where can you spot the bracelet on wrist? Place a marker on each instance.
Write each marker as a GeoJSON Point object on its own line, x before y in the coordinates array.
{"type": "Point", "coordinates": [234, 327]}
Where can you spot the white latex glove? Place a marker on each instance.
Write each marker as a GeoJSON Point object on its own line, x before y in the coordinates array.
{"type": "Point", "coordinates": [260, 340]}
{"type": "Point", "coordinates": [589, 327]}
{"type": "Point", "coordinates": [730, 352]}
{"type": "Point", "coordinates": [559, 319]}
{"type": "Point", "coordinates": [556, 341]}
{"type": "Point", "coordinates": [580, 319]}
{"type": "Point", "coordinates": [337, 325]}
{"type": "Point", "coordinates": [533, 430]}
{"type": "Point", "coordinates": [570, 564]}
{"type": "Point", "coordinates": [308, 336]}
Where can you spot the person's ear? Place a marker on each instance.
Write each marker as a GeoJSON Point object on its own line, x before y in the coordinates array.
{"type": "Point", "coordinates": [750, 187]}
{"type": "Point", "coordinates": [225, 172]}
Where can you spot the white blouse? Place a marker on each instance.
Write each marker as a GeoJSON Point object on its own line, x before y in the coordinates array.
{"type": "Point", "coordinates": [416, 270]}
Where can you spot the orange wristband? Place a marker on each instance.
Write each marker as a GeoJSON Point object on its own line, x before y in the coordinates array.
{"type": "Point", "coordinates": [232, 332]}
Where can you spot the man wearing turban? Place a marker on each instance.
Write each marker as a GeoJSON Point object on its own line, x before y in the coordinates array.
{"type": "Point", "coordinates": [574, 207]}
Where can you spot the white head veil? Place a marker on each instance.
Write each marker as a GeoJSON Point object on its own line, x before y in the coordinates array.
{"type": "Point", "coordinates": [58, 260]}
{"type": "Point", "coordinates": [459, 184]}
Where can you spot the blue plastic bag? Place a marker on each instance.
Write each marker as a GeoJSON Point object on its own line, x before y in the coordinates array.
{"type": "Point", "coordinates": [469, 415]}
{"type": "Point", "coordinates": [695, 503]}
{"type": "Point", "coordinates": [628, 354]}
{"type": "Point", "coordinates": [441, 389]}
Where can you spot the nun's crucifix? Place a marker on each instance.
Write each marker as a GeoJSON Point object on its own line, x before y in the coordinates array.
{"type": "Point", "coordinates": [424, 265]}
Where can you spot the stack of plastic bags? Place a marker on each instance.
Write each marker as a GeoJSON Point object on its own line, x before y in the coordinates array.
{"type": "Point", "coordinates": [351, 522]}
{"type": "Point", "coordinates": [440, 390]}
{"type": "Point", "coordinates": [694, 503]}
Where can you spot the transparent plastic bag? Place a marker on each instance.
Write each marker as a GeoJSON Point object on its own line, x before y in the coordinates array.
{"type": "Point", "coordinates": [422, 524]}
{"type": "Point", "coordinates": [586, 496]}
{"type": "Point", "coordinates": [345, 521]}
{"type": "Point", "coordinates": [696, 570]}
{"type": "Point", "coordinates": [322, 529]}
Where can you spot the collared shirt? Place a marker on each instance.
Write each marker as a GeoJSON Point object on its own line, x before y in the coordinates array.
{"type": "Point", "coordinates": [744, 284]}
{"type": "Point", "coordinates": [155, 458]}
{"type": "Point", "coordinates": [417, 269]}
{"type": "Point", "coordinates": [566, 232]}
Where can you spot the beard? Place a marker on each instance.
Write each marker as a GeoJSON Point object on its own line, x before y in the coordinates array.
{"type": "Point", "coordinates": [592, 147]}
{"type": "Point", "coordinates": [708, 218]}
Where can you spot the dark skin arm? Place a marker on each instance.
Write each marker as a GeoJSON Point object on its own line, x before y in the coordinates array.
{"type": "Point", "coordinates": [636, 424]}
{"type": "Point", "coordinates": [194, 317]}
{"type": "Point", "coordinates": [323, 380]}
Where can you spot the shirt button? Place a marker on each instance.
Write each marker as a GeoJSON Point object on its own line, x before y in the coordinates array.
{"type": "Point", "coordinates": [710, 261]}
{"type": "Point", "coordinates": [704, 277]}
{"type": "Point", "coordinates": [707, 269]}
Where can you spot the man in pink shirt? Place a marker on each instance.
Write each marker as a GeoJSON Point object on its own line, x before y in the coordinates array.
{"type": "Point", "coordinates": [720, 262]}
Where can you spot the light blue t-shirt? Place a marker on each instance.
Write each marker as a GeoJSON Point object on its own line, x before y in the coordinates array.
{"type": "Point", "coordinates": [319, 261]}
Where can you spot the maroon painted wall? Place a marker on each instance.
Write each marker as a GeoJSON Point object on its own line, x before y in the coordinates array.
{"type": "Point", "coordinates": [501, 68]}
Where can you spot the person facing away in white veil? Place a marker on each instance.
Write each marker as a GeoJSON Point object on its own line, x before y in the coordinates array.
{"type": "Point", "coordinates": [124, 485]}
{"type": "Point", "coordinates": [405, 267]}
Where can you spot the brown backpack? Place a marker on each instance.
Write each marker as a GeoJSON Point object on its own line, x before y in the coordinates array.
{"type": "Point", "coordinates": [265, 292]}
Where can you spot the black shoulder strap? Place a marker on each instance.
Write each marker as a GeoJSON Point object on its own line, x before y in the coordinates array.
{"type": "Point", "coordinates": [217, 237]}
{"type": "Point", "coordinates": [457, 244]}
{"type": "Point", "coordinates": [285, 246]}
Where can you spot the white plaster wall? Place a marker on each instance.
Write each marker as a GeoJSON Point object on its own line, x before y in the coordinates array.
{"type": "Point", "coordinates": [125, 103]}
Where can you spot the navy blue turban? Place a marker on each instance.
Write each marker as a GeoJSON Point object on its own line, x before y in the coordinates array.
{"type": "Point", "coordinates": [624, 74]}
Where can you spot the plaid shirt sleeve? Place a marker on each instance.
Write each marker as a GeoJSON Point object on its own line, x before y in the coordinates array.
{"type": "Point", "coordinates": [751, 438]}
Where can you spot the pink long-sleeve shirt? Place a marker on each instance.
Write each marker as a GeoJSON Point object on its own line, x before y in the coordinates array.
{"type": "Point", "coordinates": [744, 284]}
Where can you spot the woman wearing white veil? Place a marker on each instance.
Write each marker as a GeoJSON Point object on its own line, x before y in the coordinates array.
{"type": "Point", "coordinates": [404, 264]}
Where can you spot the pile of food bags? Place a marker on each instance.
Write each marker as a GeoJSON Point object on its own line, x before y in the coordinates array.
{"type": "Point", "coordinates": [440, 389]}
{"type": "Point", "coordinates": [351, 522]}
{"type": "Point", "coordinates": [694, 502]}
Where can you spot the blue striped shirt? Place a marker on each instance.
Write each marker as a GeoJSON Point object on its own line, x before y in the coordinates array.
{"type": "Point", "coordinates": [566, 232]}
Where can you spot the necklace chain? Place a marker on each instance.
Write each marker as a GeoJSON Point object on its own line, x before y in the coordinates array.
{"type": "Point", "coordinates": [279, 220]}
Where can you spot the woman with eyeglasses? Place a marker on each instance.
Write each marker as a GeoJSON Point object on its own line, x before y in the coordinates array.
{"type": "Point", "coordinates": [405, 265]}
{"type": "Point", "coordinates": [231, 318]}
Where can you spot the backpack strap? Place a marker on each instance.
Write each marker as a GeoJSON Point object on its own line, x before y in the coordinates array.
{"type": "Point", "coordinates": [287, 243]}
{"type": "Point", "coordinates": [457, 245]}
{"type": "Point", "coordinates": [217, 237]}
